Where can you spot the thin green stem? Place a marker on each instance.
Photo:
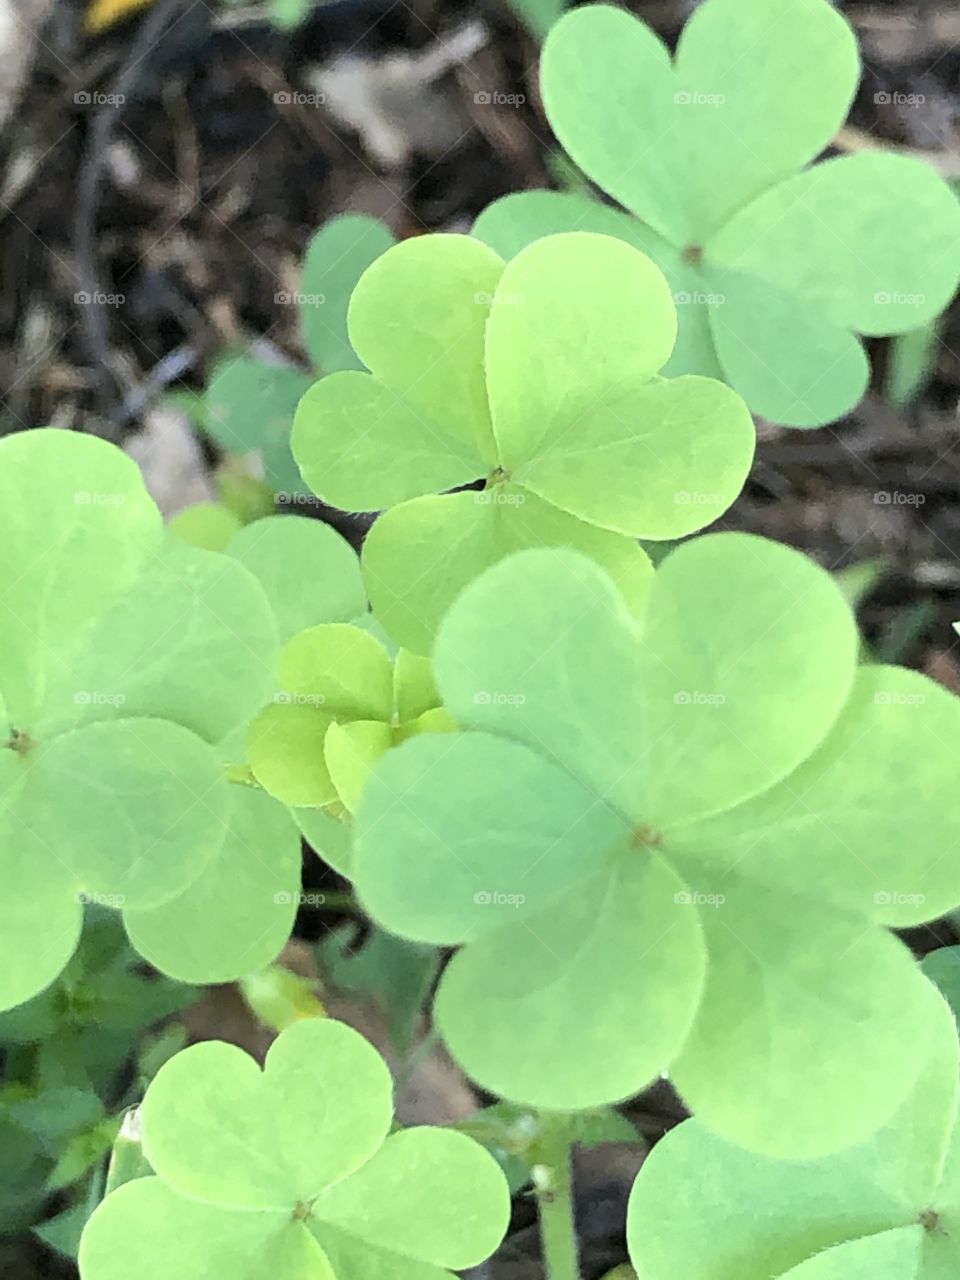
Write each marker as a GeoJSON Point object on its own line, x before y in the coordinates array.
{"type": "Point", "coordinates": [554, 1186]}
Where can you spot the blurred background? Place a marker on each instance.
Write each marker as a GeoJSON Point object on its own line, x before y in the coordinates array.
{"type": "Point", "coordinates": [164, 165]}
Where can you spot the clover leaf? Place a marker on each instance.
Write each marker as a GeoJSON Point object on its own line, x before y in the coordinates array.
{"type": "Point", "coordinates": [125, 656]}
{"type": "Point", "coordinates": [336, 258]}
{"type": "Point", "coordinates": [888, 1207]}
{"type": "Point", "coordinates": [775, 265]}
{"type": "Point", "coordinates": [238, 1191]}
{"type": "Point", "coordinates": [695, 828]}
{"type": "Point", "coordinates": [309, 572]}
{"type": "Point", "coordinates": [343, 703]}
{"type": "Point", "coordinates": [249, 404]}
{"type": "Point", "coordinates": [540, 378]}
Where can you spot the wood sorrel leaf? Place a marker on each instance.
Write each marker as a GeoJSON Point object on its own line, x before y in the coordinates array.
{"type": "Point", "coordinates": [709, 145]}
{"type": "Point", "coordinates": [567, 807]}
{"type": "Point", "coordinates": [540, 381]}
{"type": "Point", "coordinates": [238, 914]}
{"type": "Point", "coordinates": [783, 262]}
{"type": "Point", "coordinates": [343, 703]}
{"type": "Point", "coordinates": [418, 556]}
{"type": "Point", "coordinates": [708, 1210]}
{"type": "Point", "coordinates": [250, 406]}
{"type": "Point", "coordinates": [336, 258]}
{"type": "Point", "coordinates": [281, 551]}
{"type": "Point", "coordinates": [125, 657]}
{"type": "Point", "coordinates": [226, 1143]}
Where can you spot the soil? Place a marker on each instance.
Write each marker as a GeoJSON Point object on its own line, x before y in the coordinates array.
{"type": "Point", "coordinates": [186, 212]}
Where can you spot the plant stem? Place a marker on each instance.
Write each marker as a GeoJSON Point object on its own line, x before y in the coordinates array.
{"type": "Point", "coordinates": [554, 1186]}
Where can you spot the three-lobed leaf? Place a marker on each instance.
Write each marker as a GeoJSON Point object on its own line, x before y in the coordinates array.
{"type": "Point", "coordinates": [126, 656]}
{"type": "Point", "coordinates": [775, 265]}
{"type": "Point", "coordinates": [666, 826]}
{"type": "Point", "coordinates": [237, 1190]}
{"type": "Point", "coordinates": [708, 1210]}
{"type": "Point", "coordinates": [537, 378]}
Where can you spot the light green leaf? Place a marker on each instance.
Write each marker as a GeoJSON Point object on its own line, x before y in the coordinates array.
{"type": "Point", "coordinates": [873, 239]}
{"type": "Point", "coordinates": [239, 1192]}
{"type": "Point", "coordinates": [414, 690]}
{"type": "Point", "coordinates": [77, 526]}
{"type": "Point", "coordinates": [708, 146]}
{"type": "Point", "coordinates": [871, 818]}
{"type": "Point", "coordinates": [351, 751]}
{"type": "Point", "coordinates": [132, 810]}
{"type": "Point", "coordinates": [514, 221]}
{"type": "Point", "coordinates": [559, 986]}
{"type": "Point", "coordinates": [206, 525]}
{"type": "Point", "coordinates": [772, 1001]}
{"type": "Point", "coordinates": [418, 557]}
{"type": "Point", "coordinates": [548, 621]}
{"type": "Point", "coordinates": [780, 352]}
{"type": "Point", "coordinates": [284, 746]}
{"type": "Point", "coordinates": [250, 406]}
{"type": "Point", "coordinates": [238, 913]}
{"type": "Point", "coordinates": [349, 424]}
{"type": "Point", "coordinates": [194, 641]}
{"type": "Point", "coordinates": [464, 1206]}
{"type": "Point", "coordinates": [40, 919]}
{"type": "Point", "coordinates": [770, 672]}
{"type": "Point", "coordinates": [309, 573]}
{"type": "Point", "coordinates": [657, 462]}
{"type": "Point", "coordinates": [708, 1210]}
{"type": "Point", "coordinates": [437, 291]}
{"type": "Point", "coordinates": [455, 836]}
{"type": "Point", "coordinates": [336, 258]}
{"type": "Point", "coordinates": [218, 1129]}
{"type": "Point", "coordinates": [328, 836]}
{"type": "Point", "coordinates": [891, 1253]}
{"type": "Point", "coordinates": [146, 1229]}
{"type": "Point", "coordinates": [584, 355]}
{"type": "Point", "coordinates": [340, 669]}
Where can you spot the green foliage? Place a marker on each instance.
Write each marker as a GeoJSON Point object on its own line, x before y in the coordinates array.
{"type": "Point", "coordinates": [249, 404]}
{"type": "Point", "coordinates": [125, 656]}
{"type": "Point", "coordinates": [943, 968]}
{"type": "Point", "coordinates": [310, 574]}
{"type": "Point", "coordinates": [540, 378]}
{"type": "Point", "coordinates": [775, 265]}
{"type": "Point", "coordinates": [539, 15]}
{"type": "Point", "coordinates": [722, 826]}
{"type": "Point", "coordinates": [238, 1191]}
{"type": "Point", "coordinates": [207, 525]}
{"type": "Point", "coordinates": [394, 974]}
{"type": "Point", "coordinates": [889, 1207]}
{"type": "Point", "coordinates": [342, 704]}
{"type": "Point", "coordinates": [65, 1056]}
{"type": "Point", "coordinates": [336, 258]}
{"type": "Point", "coordinates": [519, 1138]}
